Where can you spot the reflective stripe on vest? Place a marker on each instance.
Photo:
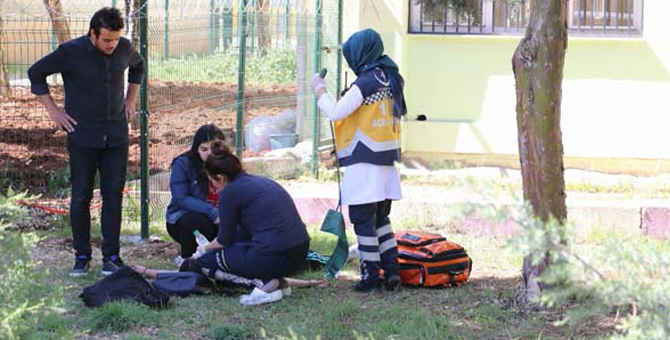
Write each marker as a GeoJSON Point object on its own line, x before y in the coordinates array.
{"type": "Point", "coordinates": [372, 124]}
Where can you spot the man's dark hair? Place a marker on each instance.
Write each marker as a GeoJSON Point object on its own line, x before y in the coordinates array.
{"type": "Point", "coordinates": [107, 18]}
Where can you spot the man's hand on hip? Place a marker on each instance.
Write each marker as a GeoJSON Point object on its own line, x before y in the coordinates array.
{"type": "Point", "coordinates": [61, 118]}
{"type": "Point", "coordinates": [130, 110]}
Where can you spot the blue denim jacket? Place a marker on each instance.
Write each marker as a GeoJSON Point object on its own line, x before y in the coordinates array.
{"type": "Point", "coordinates": [186, 194]}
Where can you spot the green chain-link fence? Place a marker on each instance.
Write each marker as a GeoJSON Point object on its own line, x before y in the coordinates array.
{"type": "Point", "coordinates": [243, 65]}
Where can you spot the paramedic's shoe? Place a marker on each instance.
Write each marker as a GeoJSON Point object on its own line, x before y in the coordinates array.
{"type": "Point", "coordinates": [259, 297]}
{"type": "Point", "coordinates": [368, 286]}
{"type": "Point", "coordinates": [392, 283]}
{"type": "Point", "coordinates": [81, 266]}
{"type": "Point", "coordinates": [111, 265]}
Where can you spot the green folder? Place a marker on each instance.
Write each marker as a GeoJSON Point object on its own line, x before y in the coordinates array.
{"type": "Point", "coordinates": [334, 224]}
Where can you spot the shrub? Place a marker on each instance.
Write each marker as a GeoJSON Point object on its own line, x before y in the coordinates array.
{"type": "Point", "coordinates": [624, 276]}
{"type": "Point", "coordinates": [26, 298]}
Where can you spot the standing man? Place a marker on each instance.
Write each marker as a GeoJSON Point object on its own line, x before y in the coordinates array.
{"type": "Point", "coordinates": [96, 119]}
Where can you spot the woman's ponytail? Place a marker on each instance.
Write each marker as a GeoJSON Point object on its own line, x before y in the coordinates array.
{"type": "Point", "coordinates": [221, 161]}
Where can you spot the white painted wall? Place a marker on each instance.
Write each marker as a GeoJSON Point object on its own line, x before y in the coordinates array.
{"type": "Point", "coordinates": [657, 28]}
{"type": "Point", "coordinates": [594, 122]}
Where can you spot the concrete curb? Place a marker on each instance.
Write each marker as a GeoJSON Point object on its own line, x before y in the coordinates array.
{"type": "Point", "coordinates": [588, 213]}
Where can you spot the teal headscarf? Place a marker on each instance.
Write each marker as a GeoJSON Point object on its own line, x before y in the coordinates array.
{"type": "Point", "coordinates": [364, 51]}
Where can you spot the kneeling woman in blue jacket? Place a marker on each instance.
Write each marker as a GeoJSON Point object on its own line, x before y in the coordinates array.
{"type": "Point", "coordinates": [194, 201]}
{"type": "Point", "coordinates": [260, 233]}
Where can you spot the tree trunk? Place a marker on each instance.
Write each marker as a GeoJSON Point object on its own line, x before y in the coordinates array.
{"type": "Point", "coordinates": [126, 15]}
{"type": "Point", "coordinates": [133, 21]}
{"type": "Point", "coordinates": [538, 70]}
{"type": "Point", "coordinates": [4, 77]}
{"type": "Point", "coordinates": [265, 32]}
{"type": "Point", "coordinates": [58, 20]}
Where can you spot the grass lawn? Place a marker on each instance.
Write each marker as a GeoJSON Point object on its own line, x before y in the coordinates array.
{"type": "Point", "coordinates": [482, 309]}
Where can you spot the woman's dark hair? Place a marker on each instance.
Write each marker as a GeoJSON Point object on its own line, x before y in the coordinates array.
{"type": "Point", "coordinates": [222, 162]}
{"type": "Point", "coordinates": [107, 18]}
{"type": "Point", "coordinates": [206, 133]}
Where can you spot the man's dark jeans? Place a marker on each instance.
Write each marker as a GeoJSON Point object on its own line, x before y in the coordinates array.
{"type": "Point", "coordinates": [111, 162]}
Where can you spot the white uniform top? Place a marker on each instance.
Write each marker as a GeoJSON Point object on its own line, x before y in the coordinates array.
{"type": "Point", "coordinates": [363, 182]}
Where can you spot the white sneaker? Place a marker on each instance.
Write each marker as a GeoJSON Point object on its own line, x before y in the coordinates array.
{"type": "Point", "coordinates": [286, 292]}
{"type": "Point", "coordinates": [258, 297]}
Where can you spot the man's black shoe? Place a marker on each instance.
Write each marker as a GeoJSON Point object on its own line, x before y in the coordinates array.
{"type": "Point", "coordinates": [81, 266]}
{"type": "Point", "coordinates": [111, 265]}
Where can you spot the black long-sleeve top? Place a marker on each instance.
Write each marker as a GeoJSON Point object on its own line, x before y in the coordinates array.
{"type": "Point", "coordinates": [262, 208]}
{"type": "Point", "coordinates": [94, 88]}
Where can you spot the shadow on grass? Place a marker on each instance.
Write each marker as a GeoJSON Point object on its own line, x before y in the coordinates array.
{"type": "Point", "coordinates": [482, 309]}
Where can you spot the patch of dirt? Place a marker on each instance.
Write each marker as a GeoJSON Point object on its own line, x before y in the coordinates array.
{"type": "Point", "coordinates": [133, 253]}
{"type": "Point", "coordinates": [33, 152]}
{"type": "Point", "coordinates": [154, 248]}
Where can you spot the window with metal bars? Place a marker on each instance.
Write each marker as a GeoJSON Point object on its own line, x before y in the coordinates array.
{"type": "Point", "coordinates": [585, 17]}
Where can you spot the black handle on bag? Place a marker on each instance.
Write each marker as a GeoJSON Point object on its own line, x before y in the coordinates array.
{"type": "Point", "coordinates": [323, 73]}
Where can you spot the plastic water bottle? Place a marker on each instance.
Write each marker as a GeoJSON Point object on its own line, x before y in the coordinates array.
{"type": "Point", "coordinates": [200, 239]}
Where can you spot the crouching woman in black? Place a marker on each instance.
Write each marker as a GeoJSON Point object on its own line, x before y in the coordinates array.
{"type": "Point", "coordinates": [275, 241]}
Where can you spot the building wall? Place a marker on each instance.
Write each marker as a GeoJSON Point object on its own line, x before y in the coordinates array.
{"type": "Point", "coordinates": [657, 29]}
{"type": "Point", "coordinates": [615, 90]}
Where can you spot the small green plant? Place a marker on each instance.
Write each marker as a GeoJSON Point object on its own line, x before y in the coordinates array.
{"type": "Point", "coordinates": [230, 332]}
{"type": "Point", "coordinates": [624, 276]}
{"type": "Point", "coordinates": [10, 207]}
{"type": "Point", "coordinates": [119, 316]}
{"type": "Point", "coordinates": [58, 182]}
{"type": "Point", "coordinates": [53, 326]}
{"type": "Point", "coordinates": [26, 298]}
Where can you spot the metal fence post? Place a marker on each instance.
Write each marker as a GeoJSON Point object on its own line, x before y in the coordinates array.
{"type": "Point", "coordinates": [166, 30]}
{"type": "Point", "coordinates": [211, 26]}
{"type": "Point", "coordinates": [316, 118]}
{"type": "Point", "coordinates": [217, 23]}
{"type": "Point", "coordinates": [144, 122]}
{"type": "Point", "coordinates": [252, 27]}
{"type": "Point", "coordinates": [338, 79]}
{"type": "Point", "coordinates": [287, 25]}
{"type": "Point", "coordinates": [54, 43]}
{"type": "Point", "coordinates": [242, 41]}
{"type": "Point", "coordinates": [227, 18]}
